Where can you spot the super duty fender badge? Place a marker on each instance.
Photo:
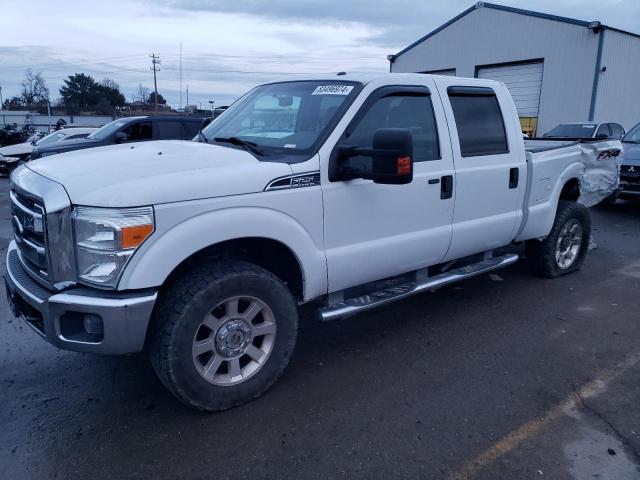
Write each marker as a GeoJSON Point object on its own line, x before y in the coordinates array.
{"type": "Point", "coordinates": [300, 180]}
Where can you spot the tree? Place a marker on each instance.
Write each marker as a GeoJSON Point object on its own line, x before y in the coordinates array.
{"type": "Point", "coordinates": [13, 103]}
{"type": "Point", "coordinates": [104, 107]}
{"type": "Point", "coordinates": [141, 94]}
{"type": "Point", "coordinates": [109, 90]}
{"type": "Point", "coordinates": [34, 90]}
{"type": "Point", "coordinates": [152, 99]}
{"type": "Point", "coordinates": [80, 92]}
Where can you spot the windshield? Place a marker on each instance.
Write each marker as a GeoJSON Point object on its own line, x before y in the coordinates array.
{"type": "Point", "coordinates": [633, 136]}
{"type": "Point", "coordinates": [289, 117]}
{"type": "Point", "coordinates": [51, 138]}
{"type": "Point", "coordinates": [109, 129]}
{"type": "Point", "coordinates": [572, 130]}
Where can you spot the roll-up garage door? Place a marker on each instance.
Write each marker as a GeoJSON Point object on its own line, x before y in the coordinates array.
{"type": "Point", "coordinates": [524, 81]}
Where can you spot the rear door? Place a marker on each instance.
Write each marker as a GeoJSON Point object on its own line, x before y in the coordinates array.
{"type": "Point", "coordinates": [489, 160]}
{"type": "Point", "coordinates": [168, 130]}
{"type": "Point", "coordinates": [377, 231]}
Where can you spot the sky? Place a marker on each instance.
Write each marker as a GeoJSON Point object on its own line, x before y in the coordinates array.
{"type": "Point", "coordinates": [229, 46]}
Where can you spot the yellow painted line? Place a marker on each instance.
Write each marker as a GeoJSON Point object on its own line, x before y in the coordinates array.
{"type": "Point", "coordinates": [531, 428]}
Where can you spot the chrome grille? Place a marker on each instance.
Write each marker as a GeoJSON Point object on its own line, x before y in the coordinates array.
{"type": "Point", "coordinates": [29, 225]}
{"type": "Point", "coordinates": [631, 171]}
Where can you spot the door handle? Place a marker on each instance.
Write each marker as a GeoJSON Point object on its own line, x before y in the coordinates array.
{"type": "Point", "coordinates": [514, 175]}
{"type": "Point", "coordinates": [446, 187]}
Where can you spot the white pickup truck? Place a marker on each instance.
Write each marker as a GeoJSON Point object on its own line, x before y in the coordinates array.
{"type": "Point", "coordinates": [348, 191]}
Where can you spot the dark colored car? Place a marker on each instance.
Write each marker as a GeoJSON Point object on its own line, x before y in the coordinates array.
{"type": "Point", "coordinates": [630, 165]}
{"type": "Point", "coordinates": [130, 129]}
{"type": "Point", "coordinates": [586, 130]}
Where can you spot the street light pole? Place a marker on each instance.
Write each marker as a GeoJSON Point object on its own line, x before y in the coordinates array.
{"type": "Point", "coordinates": [212, 102]}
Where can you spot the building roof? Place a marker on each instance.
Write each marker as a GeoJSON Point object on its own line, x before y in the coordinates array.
{"type": "Point", "coordinates": [520, 11]}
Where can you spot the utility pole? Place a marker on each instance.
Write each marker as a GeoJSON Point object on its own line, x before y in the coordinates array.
{"type": "Point", "coordinates": [187, 94]}
{"type": "Point", "coordinates": [155, 61]}
{"type": "Point", "coordinates": [181, 75]}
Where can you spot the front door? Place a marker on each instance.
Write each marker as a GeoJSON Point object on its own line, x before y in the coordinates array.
{"type": "Point", "coordinates": [377, 231]}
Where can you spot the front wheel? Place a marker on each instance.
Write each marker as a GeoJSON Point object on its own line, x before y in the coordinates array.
{"type": "Point", "coordinates": [222, 334]}
{"type": "Point", "coordinates": [563, 251]}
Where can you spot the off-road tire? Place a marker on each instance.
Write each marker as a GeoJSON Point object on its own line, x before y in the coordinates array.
{"type": "Point", "coordinates": [541, 255]}
{"type": "Point", "coordinates": [177, 317]}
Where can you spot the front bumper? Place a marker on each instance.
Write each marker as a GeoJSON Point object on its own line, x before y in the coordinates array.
{"type": "Point", "coordinates": [80, 319]}
{"type": "Point", "coordinates": [629, 183]}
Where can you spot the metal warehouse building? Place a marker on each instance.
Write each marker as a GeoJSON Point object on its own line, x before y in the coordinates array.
{"type": "Point", "coordinates": [557, 69]}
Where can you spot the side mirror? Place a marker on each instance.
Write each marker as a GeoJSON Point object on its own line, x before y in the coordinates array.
{"type": "Point", "coordinates": [391, 158]}
{"type": "Point", "coordinates": [121, 137]}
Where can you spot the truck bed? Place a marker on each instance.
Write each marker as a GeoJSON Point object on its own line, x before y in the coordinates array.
{"type": "Point", "coordinates": [599, 172]}
{"type": "Point", "coordinates": [536, 145]}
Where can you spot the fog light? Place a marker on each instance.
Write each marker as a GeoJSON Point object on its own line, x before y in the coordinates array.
{"type": "Point", "coordinates": [81, 327]}
{"type": "Point", "coordinates": [93, 325]}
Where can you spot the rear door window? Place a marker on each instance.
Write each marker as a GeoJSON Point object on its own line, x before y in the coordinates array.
{"type": "Point", "coordinates": [169, 130]}
{"type": "Point", "coordinates": [191, 129]}
{"type": "Point", "coordinates": [616, 130]}
{"type": "Point", "coordinates": [479, 121]}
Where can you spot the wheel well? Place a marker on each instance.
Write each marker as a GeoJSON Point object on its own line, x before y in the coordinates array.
{"type": "Point", "coordinates": [269, 254]}
{"type": "Point", "coordinates": [571, 190]}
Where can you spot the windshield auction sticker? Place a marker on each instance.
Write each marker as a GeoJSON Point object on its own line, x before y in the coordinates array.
{"type": "Point", "coordinates": [333, 90]}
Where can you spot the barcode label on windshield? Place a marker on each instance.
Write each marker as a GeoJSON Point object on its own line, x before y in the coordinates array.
{"type": "Point", "coordinates": [333, 90]}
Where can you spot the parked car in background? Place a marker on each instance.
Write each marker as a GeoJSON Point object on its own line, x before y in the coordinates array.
{"type": "Point", "coordinates": [586, 130]}
{"type": "Point", "coordinates": [630, 165]}
{"type": "Point", "coordinates": [12, 155]}
{"type": "Point", "coordinates": [126, 130]}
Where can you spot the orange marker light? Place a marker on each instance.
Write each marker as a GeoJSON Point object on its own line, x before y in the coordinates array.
{"type": "Point", "coordinates": [134, 236]}
{"type": "Point", "coordinates": [403, 165]}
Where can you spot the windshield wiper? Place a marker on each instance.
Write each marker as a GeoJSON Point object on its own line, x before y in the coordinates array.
{"type": "Point", "coordinates": [243, 143]}
{"type": "Point", "coordinates": [202, 137]}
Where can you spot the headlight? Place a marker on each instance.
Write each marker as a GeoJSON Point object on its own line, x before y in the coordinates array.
{"type": "Point", "coordinates": [105, 240]}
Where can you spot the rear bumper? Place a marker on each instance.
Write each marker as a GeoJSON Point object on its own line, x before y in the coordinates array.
{"type": "Point", "coordinates": [80, 319]}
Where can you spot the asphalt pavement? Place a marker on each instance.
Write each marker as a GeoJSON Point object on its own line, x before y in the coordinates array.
{"type": "Point", "coordinates": [507, 376]}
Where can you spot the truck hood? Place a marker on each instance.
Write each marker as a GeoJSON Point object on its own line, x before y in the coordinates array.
{"type": "Point", "coordinates": [17, 149]}
{"type": "Point", "coordinates": [150, 173]}
{"type": "Point", "coordinates": [631, 154]}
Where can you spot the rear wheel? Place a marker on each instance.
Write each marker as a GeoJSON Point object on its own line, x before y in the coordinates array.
{"type": "Point", "coordinates": [223, 334]}
{"type": "Point", "coordinates": [563, 251]}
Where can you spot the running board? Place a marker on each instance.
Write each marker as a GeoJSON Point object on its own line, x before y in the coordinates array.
{"type": "Point", "coordinates": [354, 305]}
